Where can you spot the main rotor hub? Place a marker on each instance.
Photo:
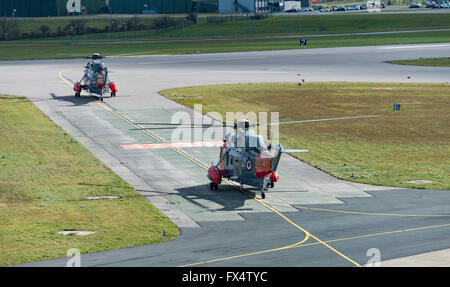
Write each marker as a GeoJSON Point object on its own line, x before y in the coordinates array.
{"type": "Point", "coordinates": [243, 124]}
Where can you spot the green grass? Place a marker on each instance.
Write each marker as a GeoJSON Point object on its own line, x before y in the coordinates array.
{"type": "Point", "coordinates": [323, 24]}
{"type": "Point", "coordinates": [434, 62]}
{"type": "Point", "coordinates": [233, 31]}
{"type": "Point", "coordinates": [45, 180]}
{"type": "Point", "coordinates": [242, 26]}
{"type": "Point", "coordinates": [398, 146]}
{"type": "Point", "coordinates": [57, 51]}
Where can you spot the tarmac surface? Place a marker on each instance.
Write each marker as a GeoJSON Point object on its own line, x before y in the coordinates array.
{"type": "Point", "coordinates": [308, 219]}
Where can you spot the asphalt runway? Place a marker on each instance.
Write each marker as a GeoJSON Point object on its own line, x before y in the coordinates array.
{"type": "Point", "coordinates": [308, 219]}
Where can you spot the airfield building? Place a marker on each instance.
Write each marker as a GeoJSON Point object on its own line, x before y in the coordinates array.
{"type": "Point", "coordinates": [46, 8]}
{"type": "Point", "coordinates": [259, 6]}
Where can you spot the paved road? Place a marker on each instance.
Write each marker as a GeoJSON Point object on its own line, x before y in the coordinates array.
{"type": "Point", "coordinates": [389, 10]}
{"type": "Point", "coordinates": [301, 222]}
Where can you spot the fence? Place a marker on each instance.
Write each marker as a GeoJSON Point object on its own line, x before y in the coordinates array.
{"type": "Point", "coordinates": [101, 27]}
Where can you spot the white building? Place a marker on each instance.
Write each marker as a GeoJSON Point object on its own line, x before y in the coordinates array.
{"type": "Point", "coordinates": [289, 5]}
{"type": "Point", "coordinates": [258, 6]}
{"type": "Point", "coordinates": [243, 6]}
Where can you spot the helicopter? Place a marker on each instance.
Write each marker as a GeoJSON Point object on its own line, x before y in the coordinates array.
{"type": "Point", "coordinates": [95, 79]}
{"type": "Point", "coordinates": [245, 159]}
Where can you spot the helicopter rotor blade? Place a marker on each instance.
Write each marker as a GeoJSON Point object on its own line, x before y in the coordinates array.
{"type": "Point", "coordinates": [315, 120]}
{"type": "Point", "coordinates": [190, 125]}
{"type": "Point", "coordinates": [90, 57]}
{"type": "Point", "coordinates": [179, 125]}
{"type": "Point", "coordinates": [294, 150]}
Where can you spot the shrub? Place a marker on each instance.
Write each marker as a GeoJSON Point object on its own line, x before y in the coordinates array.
{"type": "Point", "coordinates": [163, 22]}
{"type": "Point", "coordinates": [216, 19]}
{"type": "Point", "coordinates": [45, 30]}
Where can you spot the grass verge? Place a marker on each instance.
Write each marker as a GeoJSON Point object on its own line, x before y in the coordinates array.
{"type": "Point", "coordinates": [398, 146]}
{"type": "Point", "coordinates": [434, 62]}
{"type": "Point", "coordinates": [45, 180]}
{"type": "Point", "coordinates": [239, 25]}
{"type": "Point", "coordinates": [61, 51]}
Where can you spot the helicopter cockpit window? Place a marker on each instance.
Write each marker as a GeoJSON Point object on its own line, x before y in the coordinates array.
{"type": "Point", "coordinates": [261, 142]}
{"type": "Point", "coordinates": [97, 67]}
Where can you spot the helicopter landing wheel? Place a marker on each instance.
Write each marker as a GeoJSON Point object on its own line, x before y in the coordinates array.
{"type": "Point", "coordinates": [77, 95]}
{"type": "Point", "coordinates": [101, 99]}
{"type": "Point", "coordinates": [213, 186]}
{"type": "Point", "coordinates": [113, 95]}
{"type": "Point", "coordinates": [263, 195]}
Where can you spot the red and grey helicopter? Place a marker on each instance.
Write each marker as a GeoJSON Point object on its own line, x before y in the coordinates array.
{"type": "Point", "coordinates": [246, 160]}
{"type": "Point", "coordinates": [95, 79]}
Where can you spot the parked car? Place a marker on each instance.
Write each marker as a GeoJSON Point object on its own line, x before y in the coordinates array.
{"type": "Point", "coordinates": [341, 8]}
{"type": "Point", "coordinates": [323, 10]}
{"type": "Point", "coordinates": [415, 5]}
{"type": "Point", "coordinates": [363, 7]}
{"type": "Point", "coordinates": [291, 10]}
{"type": "Point", "coordinates": [373, 5]}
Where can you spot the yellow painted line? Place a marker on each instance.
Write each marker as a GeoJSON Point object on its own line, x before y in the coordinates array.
{"type": "Point", "coordinates": [378, 234]}
{"type": "Point", "coordinates": [193, 264]}
{"type": "Point", "coordinates": [317, 243]}
{"type": "Point", "coordinates": [426, 227]}
{"type": "Point", "coordinates": [307, 234]}
{"type": "Point", "coordinates": [62, 77]}
{"type": "Point", "coordinates": [371, 213]}
{"type": "Point", "coordinates": [246, 254]}
{"type": "Point", "coordinates": [126, 120]}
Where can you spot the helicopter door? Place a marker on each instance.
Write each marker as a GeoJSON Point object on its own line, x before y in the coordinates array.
{"type": "Point", "coordinates": [235, 162]}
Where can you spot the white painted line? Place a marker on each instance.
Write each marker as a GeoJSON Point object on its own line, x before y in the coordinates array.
{"type": "Point", "coordinates": [173, 145]}
{"type": "Point", "coordinates": [79, 233]}
{"type": "Point", "coordinates": [200, 60]}
{"type": "Point", "coordinates": [102, 197]}
{"type": "Point", "coordinates": [253, 72]}
{"type": "Point", "coordinates": [414, 47]}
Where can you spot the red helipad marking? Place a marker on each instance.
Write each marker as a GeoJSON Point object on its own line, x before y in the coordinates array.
{"type": "Point", "coordinates": [172, 145]}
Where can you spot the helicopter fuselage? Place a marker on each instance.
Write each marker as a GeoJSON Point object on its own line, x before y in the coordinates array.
{"type": "Point", "coordinates": [95, 80]}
